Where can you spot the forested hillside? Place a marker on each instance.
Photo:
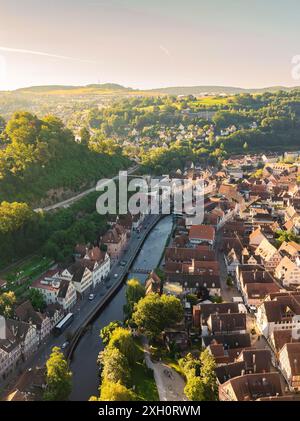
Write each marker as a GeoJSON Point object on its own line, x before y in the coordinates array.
{"type": "Point", "coordinates": [41, 163]}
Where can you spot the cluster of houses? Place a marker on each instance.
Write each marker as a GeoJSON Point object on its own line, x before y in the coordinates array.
{"type": "Point", "coordinates": [154, 136]}
{"type": "Point", "coordinates": [62, 288]}
{"type": "Point", "coordinates": [254, 336]}
{"type": "Point", "coordinates": [163, 136]}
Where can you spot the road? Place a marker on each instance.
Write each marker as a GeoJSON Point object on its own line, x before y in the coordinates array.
{"type": "Point", "coordinates": [83, 309]}
{"type": "Point", "coordinates": [66, 203]}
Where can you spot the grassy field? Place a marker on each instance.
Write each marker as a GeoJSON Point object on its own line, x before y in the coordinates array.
{"type": "Point", "coordinates": [145, 386]}
{"type": "Point", "coordinates": [21, 276]}
{"type": "Point", "coordinates": [213, 100]}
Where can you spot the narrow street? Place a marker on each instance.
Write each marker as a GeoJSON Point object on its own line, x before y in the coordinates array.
{"type": "Point", "coordinates": [227, 292]}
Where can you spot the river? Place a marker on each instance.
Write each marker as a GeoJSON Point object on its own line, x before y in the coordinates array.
{"type": "Point", "coordinates": [84, 361]}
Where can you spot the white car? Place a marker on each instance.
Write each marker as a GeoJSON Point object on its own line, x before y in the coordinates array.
{"type": "Point", "coordinates": [91, 297]}
{"type": "Point", "coordinates": [64, 345]}
{"type": "Point", "coordinates": [116, 275]}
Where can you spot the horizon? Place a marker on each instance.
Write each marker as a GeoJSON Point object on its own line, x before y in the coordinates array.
{"type": "Point", "coordinates": [148, 46]}
{"type": "Point", "coordinates": [152, 88]}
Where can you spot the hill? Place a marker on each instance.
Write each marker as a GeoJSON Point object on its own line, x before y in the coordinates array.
{"type": "Point", "coordinates": [113, 88]}
{"type": "Point", "coordinates": [93, 89]}
{"type": "Point", "coordinates": [40, 162]}
{"type": "Point", "coordinates": [213, 90]}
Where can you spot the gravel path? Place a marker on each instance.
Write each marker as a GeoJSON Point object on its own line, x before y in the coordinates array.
{"type": "Point", "coordinates": [169, 384]}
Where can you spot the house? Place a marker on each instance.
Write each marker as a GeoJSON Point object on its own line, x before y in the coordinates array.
{"type": "Point", "coordinates": [289, 364]}
{"type": "Point", "coordinates": [153, 284]}
{"type": "Point", "coordinates": [26, 313]}
{"type": "Point", "coordinates": [195, 283]}
{"type": "Point", "coordinates": [255, 293]}
{"type": "Point", "coordinates": [290, 249]}
{"type": "Point", "coordinates": [115, 240]}
{"type": "Point", "coordinates": [55, 312]}
{"type": "Point", "coordinates": [250, 361]}
{"type": "Point", "coordinates": [67, 295]}
{"type": "Point", "coordinates": [202, 234]}
{"type": "Point", "coordinates": [232, 261]}
{"type": "Point", "coordinates": [227, 323]}
{"type": "Point", "coordinates": [255, 284]}
{"type": "Point", "coordinates": [80, 275]}
{"type": "Point", "coordinates": [31, 387]}
{"type": "Point", "coordinates": [56, 290]}
{"type": "Point", "coordinates": [98, 262]}
{"type": "Point", "coordinates": [278, 312]}
{"type": "Point", "coordinates": [18, 340]}
{"type": "Point", "coordinates": [288, 273]}
{"type": "Point", "coordinates": [200, 267]}
{"type": "Point", "coordinates": [279, 338]}
{"type": "Point", "coordinates": [256, 360]}
{"type": "Point", "coordinates": [269, 254]}
{"type": "Point", "coordinates": [251, 387]}
{"type": "Point", "coordinates": [48, 285]}
{"type": "Point", "coordinates": [186, 255]}
{"type": "Point", "coordinates": [202, 312]}
{"type": "Point", "coordinates": [233, 344]}
{"type": "Point", "coordinates": [256, 237]}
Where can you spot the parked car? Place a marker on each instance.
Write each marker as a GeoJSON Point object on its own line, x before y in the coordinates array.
{"type": "Point", "coordinates": [64, 345]}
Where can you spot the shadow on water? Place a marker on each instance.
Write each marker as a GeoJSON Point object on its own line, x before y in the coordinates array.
{"type": "Point", "coordinates": [84, 361]}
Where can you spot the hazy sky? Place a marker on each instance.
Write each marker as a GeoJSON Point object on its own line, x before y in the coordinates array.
{"type": "Point", "coordinates": [148, 43]}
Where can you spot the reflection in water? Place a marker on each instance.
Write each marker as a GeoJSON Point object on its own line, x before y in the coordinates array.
{"type": "Point", "coordinates": [84, 363]}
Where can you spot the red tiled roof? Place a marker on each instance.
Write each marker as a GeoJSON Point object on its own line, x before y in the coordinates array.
{"type": "Point", "coordinates": [202, 232]}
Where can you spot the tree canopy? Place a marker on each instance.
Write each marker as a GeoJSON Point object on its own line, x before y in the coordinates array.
{"type": "Point", "coordinates": [154, 313]}
{"type": "Point", "coordinates": [59, 378]}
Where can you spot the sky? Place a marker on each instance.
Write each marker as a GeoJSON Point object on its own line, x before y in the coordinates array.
{"type": "Point", "coordinates": [149, 43]}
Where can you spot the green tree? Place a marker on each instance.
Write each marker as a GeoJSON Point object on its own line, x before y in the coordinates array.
{"type": "Point", "coordinates": [134, 292]}
{"type": "Point", "coordinates": [37, 299]}
{"type": "Point", "coordinates": [190, 366]}
{"type": "Point", "coordinates": [154, 313]}
{"type": "Point", "coordinates": [85, 136]}
{"type": "Point", "coordinates": [7, 301]}
{"type": "Point", "coordinates": [59, 378]}
{"type": "Point", "coordinates": [194, 389]}
{"type": "Point", "coordinates": [208, 375]}
{"type": "Point", "coordinates": [115, 366]}
{"type": "Point", "coordinates": [202, 387]}
{"type": "Point", "coordinates": [122, 339]}
{"type": "Point", "coordinates": [107, 331]}
{"type": "Point", "coordinates": [192, 299]}
{"type": "Point", "coordinates": [115, 392]}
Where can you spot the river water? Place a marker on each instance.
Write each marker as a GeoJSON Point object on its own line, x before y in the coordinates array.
{"type": "Point", "coordinates": [84, 362]}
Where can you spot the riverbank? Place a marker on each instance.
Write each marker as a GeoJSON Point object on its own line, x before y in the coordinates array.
{"type": "Point", "coordinates": [84, 360]}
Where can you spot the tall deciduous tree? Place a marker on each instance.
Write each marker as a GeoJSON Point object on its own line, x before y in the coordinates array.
{"type": "Point", "coordinates": [115, 366]}
{"type": "Point", "coordinates": [122, 339]}
{"type": "Point", "coordinates": [154, 313]}
{"type": "Point", "coordinates": [115, 392]}
{"type": "Point", "coordinates": [134, 292]}
{"type": "Point", "coordinates": [7, 300]}
{"type": "Point", "coordinates": [59, 377]}
{"type": "Point", "coordinates": [107, 331]}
